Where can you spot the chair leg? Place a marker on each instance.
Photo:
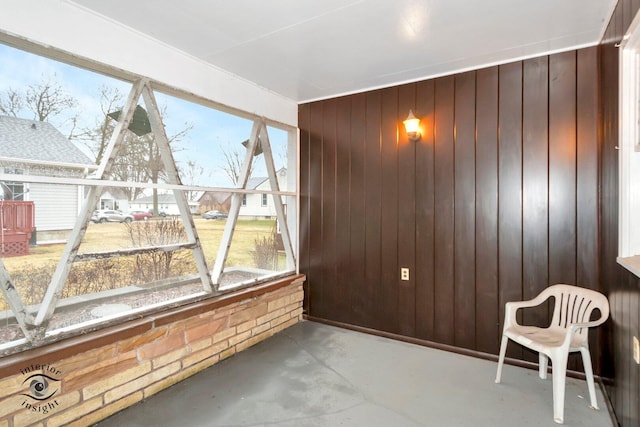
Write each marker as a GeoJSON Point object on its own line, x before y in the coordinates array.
{"type": "Point", "coordinates": [503, 351]}
{"type": "Point", "coordinates": [542, 365]}
{"type": "Point", "coordinates": [558, 375]}
{"type": "Point", "coordinates": [588, 370]}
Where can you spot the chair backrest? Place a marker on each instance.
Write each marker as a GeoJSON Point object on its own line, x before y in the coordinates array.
{"type": "Point", "coordinates": [574, 304]}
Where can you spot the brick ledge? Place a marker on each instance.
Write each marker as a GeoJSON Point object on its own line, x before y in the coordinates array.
{"type": "Point", "coordinates": [58, 350]}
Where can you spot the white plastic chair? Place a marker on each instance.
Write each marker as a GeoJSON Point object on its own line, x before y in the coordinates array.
{"type": "Point", "coordinates": [567, 332]}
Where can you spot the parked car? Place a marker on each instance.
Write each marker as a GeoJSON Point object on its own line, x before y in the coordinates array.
{"type": "Point", "coordinates": [140, 215]}
{"type": "Point", "coordinates": [160, 213]}
{"type": "Point", "coordinates": [104, 215]}
{"type": "Point", "coordinates": [214, 215]}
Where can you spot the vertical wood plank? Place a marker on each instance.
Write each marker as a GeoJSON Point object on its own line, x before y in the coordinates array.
{"type": "Point", "coordinates": [535, 183]}
{"type": "Point", "coordinates": [304, 229]}
{"type": "Point", "coordinates": [373, 204]}
{"type": "Point", "coordinates": [464, 214]}
{"type": "Point", "coordinates": [315, 279]}
{"type": "Point", "coordinates": [343, 208]}
{"type": "Point", "coordinates": [425, 211]}
{"type": "Point", "coordinates": [587, 243]}
{"type": "Point", "coordinates": [357, 255]}
{"type": "Point", "coordinates": [387, 292]}
{"type": "Point", "coordinates": [328, 206]}
{"type": "Point", "coordinates": [486, 245]}
{"type": "Point", "coordinates": [510, 188]}
{"type": "Point", "coordinates": [587, 168]}
{"type": "Point", "coordinates": [562, 168]}
{"type": "Point", "coordinates": [407, 212]}
{"type": "Point", "coordinates": [444, 210]}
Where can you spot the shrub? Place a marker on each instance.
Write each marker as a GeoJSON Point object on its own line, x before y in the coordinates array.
{"type": "Point", "coordinates": [156, 265]}
{"type": "Point", "coordinates": [265, 254]}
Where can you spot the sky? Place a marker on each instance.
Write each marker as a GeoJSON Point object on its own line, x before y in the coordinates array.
{"type": "Point", "coordinates": [212, 132]}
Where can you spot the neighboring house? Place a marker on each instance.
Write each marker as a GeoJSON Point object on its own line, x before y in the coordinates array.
{"type": "Point", "coordinates": [166, 203]}
{"type": "Point", "coordinates": [214, 201]}
{"type": "Point", "coordinates": [261, 206]}
{"type": "Point", "coordinates": [115, 199]}
{"type": "Point", "coordinates": [29, 147]}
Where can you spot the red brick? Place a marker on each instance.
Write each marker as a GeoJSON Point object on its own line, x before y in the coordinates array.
{"type": "Point", "coordinates": [135, 342]}
{"type": "Point", "coordinates": [206, 330]}
{"type": "Point", "coordinates": [161, 346]}
{"type": "Point", "coordinates": [248, 314]}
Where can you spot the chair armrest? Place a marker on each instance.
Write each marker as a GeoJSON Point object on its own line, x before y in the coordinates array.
{"type": "Point", "coordinates": [511, 308]}
{"type": "Point", "coordinates": [574, 327]}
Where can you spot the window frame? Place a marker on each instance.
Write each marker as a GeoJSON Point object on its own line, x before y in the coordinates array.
{"type": "Point", "coordinates": [292, 164]}
{"type": "Point", "coordinates": [629, 150]}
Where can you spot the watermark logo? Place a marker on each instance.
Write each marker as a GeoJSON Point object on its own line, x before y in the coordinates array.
{"type": "Point", "coordinates": [41, 384]}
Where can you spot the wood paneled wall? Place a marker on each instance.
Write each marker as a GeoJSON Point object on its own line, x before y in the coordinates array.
{"type": "Point", "coordinates": [621, 286]}
{"type": "Point", "coordinates": [497, 200]}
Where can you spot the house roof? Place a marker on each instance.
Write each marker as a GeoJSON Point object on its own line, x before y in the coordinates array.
{"type": "Point", "coordinates": [35, 140]}
{"type": "Point", "coordinates": [254, 182]}
{"type": "Point", "coordinates": [214, 196]}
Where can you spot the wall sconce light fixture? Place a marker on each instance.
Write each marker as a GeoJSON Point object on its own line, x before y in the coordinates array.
{"type": "Point", "coordinates": [412, 126]}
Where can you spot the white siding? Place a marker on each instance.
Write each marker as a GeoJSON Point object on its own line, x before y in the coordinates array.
{"type": "Point", "coordinates": [56, 205]}
{"type": "Point", "coordinates": [254, 207]}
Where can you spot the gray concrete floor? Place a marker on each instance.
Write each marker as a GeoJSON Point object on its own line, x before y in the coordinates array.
{"type": "Point", "coordinates": [317, 375]}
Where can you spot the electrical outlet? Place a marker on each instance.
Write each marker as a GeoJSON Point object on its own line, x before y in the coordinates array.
{"type": "Point", "coordinates": [404, 273]}
{"type": "Point", "coordinates": [636, 350]}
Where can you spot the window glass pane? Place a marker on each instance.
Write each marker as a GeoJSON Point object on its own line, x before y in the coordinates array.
{"type": "Point", "coordinates": [137, 251]}
{"type": "Point", "coordinates": [256, 252]}
{"type": "Point", "coordinates": [206, 143]}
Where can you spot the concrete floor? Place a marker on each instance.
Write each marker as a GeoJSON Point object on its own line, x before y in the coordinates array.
{"type": "Point", "coordinates": [317, 375]}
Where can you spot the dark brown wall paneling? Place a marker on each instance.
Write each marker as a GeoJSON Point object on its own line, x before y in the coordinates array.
{"type": "Point", "coordinates": [314, 220]}
{"type": "Point", "coordinates": [406, 216]}
{"type": "Point", "coordinates": [373, 208]}
{"type": "Point", "coordinates": [510, 189]}
{"type": "Point", "coordinates": [562, 168]}
{"type": "Point", "coordinates": [386, 294]}
{"type": "Point", "coordinates": [497, 200]}
{"type": "Point", "coordinates": [342, 206]}
{"type": "Point", "coordinates": [328, 210]}
{"type": "Point", "coordinates": [487, 309]}
{"type": "Point", "coordinates": [424, 276]}
{"type": "Point", "coordinates": [444, 308]}
{"type": "Point", "coordinates": [359, 302]}
{"type": "Point", "coordinates": [535, 185]}
{"type": "Point", "coordinates": [621, 286]}
{"type": "Point", "coordinates": [303, 254]}
{"type": "Point", "coordinates": [587, 174]}
{"type": "Point", "coordinates": [465, 213]}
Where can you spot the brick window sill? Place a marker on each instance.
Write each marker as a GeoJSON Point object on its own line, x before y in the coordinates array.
{"type": "Point", "coordinates": [50, 353]}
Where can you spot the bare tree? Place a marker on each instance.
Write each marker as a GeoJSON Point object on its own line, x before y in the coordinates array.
{"type": "Point", "coordinates": [96, 137]}
{"type": "Point", "coordinates": [191, 174]}
{"type": "Point", "coordinates": [46, 101]}
{"type": "Point", "coordinates": [11, 103]}
{"type": "Point", "coordinates": [234, 157]}
{"type": "Point", "coordinates": [138, 159]}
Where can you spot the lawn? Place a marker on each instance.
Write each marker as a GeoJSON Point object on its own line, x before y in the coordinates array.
{"type": "Point", "coordinates": [112, 236]}
{"type": "Point", "coordinates": [32, 273]}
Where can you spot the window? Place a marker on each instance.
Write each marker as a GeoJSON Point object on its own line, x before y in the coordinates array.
{"type": "Point", "coordinates": [12, 190]}
{"type": "Point", "coordinates": [264, 200]}
{"type": "Point", "coordinates": [188, 150]}
{"type": "Point", "coordinates": [629, 150]}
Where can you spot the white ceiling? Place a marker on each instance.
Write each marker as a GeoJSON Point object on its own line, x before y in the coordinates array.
{"type": "Point", "coordinates": [314, 49]}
